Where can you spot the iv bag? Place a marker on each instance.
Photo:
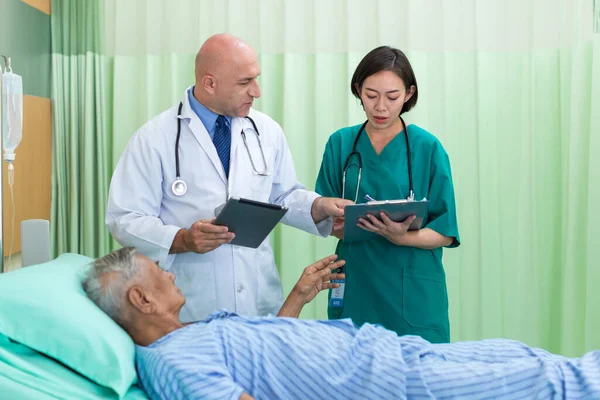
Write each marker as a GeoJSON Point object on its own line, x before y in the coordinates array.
{"type": "Point", "coordinates": [12, 113]}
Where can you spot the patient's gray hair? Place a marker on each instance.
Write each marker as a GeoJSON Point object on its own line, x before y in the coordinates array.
{"type": "Point", "coordinates": [109, 292]}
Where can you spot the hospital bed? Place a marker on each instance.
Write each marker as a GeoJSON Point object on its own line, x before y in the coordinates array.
{"type": "Point", "coordinates": [55, 343]}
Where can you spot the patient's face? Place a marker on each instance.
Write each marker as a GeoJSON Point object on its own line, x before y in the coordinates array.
{"type": "Point", "coordinates": [161, 286]}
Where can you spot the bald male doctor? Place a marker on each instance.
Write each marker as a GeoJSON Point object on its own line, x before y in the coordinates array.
{"type": "Point", "coordinates": [168, 217]}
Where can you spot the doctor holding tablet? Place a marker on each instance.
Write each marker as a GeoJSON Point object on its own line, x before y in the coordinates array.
{"type": "Point", "coordinates": [184, 163]}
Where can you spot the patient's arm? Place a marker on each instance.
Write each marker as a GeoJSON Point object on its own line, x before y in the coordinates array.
{"type": "Point", "coordinates": [316, 277]}
{"type": "Point", "coordinates": [246, 396]}
{"type": "Point", "coordinates": [292, 306]}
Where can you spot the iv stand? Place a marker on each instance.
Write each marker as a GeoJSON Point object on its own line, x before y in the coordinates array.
{"type": "Point", "coordinates": [7, 69]}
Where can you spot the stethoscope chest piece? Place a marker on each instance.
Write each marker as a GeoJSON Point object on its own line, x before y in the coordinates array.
{"type": "Point", "coordinates": [179, 187]}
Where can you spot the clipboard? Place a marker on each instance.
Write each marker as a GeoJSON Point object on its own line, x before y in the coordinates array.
{"type": "Point", "coordinates": [250, 220]}
{"type": "Point", "coordinates": [397, 210]}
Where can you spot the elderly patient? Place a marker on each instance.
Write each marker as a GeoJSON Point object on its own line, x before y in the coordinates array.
{"type": "Point", "coordinates": [227, 356]}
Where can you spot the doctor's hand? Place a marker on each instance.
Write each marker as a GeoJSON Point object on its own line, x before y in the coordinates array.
{"type": "Point", "coordinates": [203, 236]}
{"type": "Point", "coordinates": [325, 207]}
{"type": "Point", "coordinates": [338, 227]}
{"type": "Point", "coordinates": [316, 277]}
{"type": "Point", "coordinates": [392, 231]}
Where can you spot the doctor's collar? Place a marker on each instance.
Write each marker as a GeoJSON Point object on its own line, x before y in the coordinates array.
{"type": "Point", "coordinates": [208, 117]}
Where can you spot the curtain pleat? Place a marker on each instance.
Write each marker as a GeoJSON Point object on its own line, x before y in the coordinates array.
{"type": "Point", "coordinates": [81, 156]}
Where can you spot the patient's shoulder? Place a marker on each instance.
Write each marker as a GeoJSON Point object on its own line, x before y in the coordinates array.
{"type": "Point", "coordinates": [177, 363]}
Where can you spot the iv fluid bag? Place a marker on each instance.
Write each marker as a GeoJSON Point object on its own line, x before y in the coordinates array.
{"type": "Point", "coordinates": [12, 113]}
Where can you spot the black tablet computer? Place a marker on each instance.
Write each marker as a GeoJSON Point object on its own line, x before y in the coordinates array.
{"type": "Point", "coordinates": [250, 220]}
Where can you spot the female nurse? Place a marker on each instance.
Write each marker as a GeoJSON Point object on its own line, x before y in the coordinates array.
{"type": "Point", "coordinates": [397, 279]}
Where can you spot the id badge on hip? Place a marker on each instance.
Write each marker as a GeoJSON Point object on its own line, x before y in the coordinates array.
{"type": "Point", "coordinates": [337, 294]}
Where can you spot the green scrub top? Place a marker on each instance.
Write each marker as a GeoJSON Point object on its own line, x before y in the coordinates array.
{"type": "Point", "coordinates": [401, 288]}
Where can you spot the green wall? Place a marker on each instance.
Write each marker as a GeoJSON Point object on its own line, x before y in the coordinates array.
{"type": "Point", "coordinates": [25, 36]}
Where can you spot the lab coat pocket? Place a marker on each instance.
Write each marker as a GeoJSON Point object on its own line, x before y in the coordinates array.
{"type": "Point", "coordinates": [269, 289]}
{"type": "Point", "coordinates": [424, 301]}
{"type": "Point", "coordinates": [259, 173]}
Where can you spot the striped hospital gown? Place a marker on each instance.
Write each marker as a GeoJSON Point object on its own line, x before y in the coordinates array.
{"type": "Point", "coordinates": [283, 358]}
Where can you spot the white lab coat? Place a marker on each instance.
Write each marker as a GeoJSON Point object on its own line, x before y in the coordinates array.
{"type": "Point", "coordinates": [143, 211]}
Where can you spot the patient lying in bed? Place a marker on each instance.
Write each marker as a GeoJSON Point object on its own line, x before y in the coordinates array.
{"type": "Point", "coordinates": [230, 357]}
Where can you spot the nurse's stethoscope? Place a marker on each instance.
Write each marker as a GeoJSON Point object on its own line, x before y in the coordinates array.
{"type": "Point", "coordinates": [356, 154]}
{"type": "Point", "coordinates": [179, 187]}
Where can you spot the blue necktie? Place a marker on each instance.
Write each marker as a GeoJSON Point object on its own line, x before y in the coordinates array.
{"type": "Point", "coordinates": [222, 142]}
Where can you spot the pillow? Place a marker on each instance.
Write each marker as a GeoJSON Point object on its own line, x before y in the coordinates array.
{"type": "Point", "coordinates": [27, 374]}
{"type": "Point", "coordinates": [45, 308]}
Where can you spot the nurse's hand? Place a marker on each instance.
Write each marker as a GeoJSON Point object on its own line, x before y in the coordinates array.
{"type": "Point", "coordinates": [392, 231]}
{"type": "Point", "coordinates": [203, 236]}
{"type": "Point", "coordinates": [325, 207]}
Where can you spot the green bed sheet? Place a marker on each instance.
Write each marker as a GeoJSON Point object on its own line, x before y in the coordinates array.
{"type": "Point", "coordinates": [28, 375]}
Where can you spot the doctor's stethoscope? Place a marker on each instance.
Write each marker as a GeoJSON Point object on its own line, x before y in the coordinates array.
{"type": "Point", "coordinates": [179, 187]}
{"type": "Point", "coordinates": [355, 153]}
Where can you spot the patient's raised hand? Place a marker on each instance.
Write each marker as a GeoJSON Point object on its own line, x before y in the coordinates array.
{"type": "Point", "coordinates": [317, 277]}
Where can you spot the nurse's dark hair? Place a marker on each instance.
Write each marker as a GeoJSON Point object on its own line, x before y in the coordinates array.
{"type": "Point", "coordinates": [385, 58]}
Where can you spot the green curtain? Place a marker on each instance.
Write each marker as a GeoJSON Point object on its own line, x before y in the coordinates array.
{"type": "Point", "coordinates": [596, 16]}
{"type": "Point", "coordinates": [510, 95]}
{"type": "Point", "coordinates": [81, 94]}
